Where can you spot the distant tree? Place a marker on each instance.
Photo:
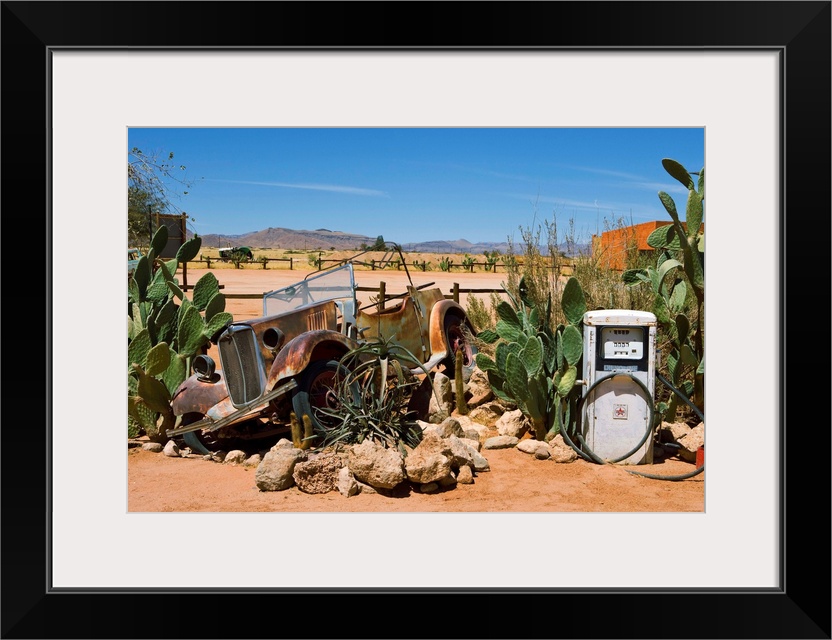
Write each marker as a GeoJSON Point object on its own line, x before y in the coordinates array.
{"type": "Point", "coordinates": [154, 182]}
{"type": "Point", "coordinates": [378, 245]}
{"type": "Point", "coordinates": [139, 205]}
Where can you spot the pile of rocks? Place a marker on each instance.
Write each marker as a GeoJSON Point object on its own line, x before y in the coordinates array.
{"type": "Point", "coordinates": [684, 439]}
{"type": "Point", "coordinates": [447, 455]}
{"type": "Point", "coordinates": [450, 452]}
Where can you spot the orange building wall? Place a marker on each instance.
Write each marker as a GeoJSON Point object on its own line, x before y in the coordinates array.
{"type": "Point", "coordinates": [610, 248]}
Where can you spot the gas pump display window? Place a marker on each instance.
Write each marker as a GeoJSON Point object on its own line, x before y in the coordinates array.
{"type": "Point", "coordinates": [622, 349]}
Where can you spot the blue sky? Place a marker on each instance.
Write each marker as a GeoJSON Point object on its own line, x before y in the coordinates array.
{"type": "Point", "coordinates": [422, 184]}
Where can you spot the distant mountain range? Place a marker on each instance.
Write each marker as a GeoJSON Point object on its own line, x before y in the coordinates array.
{"type": "Point", "coordinates": [324, 239]}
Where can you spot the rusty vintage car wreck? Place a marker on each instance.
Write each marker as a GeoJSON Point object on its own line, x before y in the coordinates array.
{"type": "Point", "coordinates": [287, 360]}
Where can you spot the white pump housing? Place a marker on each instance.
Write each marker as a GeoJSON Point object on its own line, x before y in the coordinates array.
{"type": "Point", "coordinates": [619, 353]}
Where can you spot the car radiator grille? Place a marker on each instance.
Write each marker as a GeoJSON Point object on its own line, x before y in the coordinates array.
{"type": "Point", "coordinates": [242, 365]}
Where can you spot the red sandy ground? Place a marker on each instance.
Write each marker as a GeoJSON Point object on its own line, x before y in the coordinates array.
{"type": "Point", "coordinates": [516, 483]}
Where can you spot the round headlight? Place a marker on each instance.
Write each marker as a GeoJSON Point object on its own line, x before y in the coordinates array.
{"type": "Point", "coordinates": [204, 367]}
{"type": "Point", "coordinates": [273, 339]}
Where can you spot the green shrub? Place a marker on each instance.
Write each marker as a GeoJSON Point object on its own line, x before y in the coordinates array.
{"type": "Point", "coordinates": [531, 267]}
{"type": "Point", "coordinates": [478, 314]}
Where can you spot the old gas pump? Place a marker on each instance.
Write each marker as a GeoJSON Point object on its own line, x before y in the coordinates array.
{"type": "Point", "coordinates": [619, 383]}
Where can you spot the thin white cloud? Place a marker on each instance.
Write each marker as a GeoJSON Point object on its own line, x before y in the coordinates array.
{"type": "Point", "coordinates": [633, 181]}
{"type": "Point", "coordinates": [578, 204]}
{"type": "Point", "coordinates": [333, 188]}
{"type": "Point", "coordinates": [636, 211]}
{"type": "Point", "coordinates": [667, 187]}
{"type": "Point", "coordinates": [444, 166]}
{"type": "Point", "coordinates": [492, 174]}
{"type": "Point", "coordinates": [603, 172]}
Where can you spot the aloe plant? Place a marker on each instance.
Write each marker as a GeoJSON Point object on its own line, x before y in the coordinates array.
{"type": "Point", "coordinates": [680, 263]}
{"type": "Point", "coordinates": [534, 366]}
{"type": "Point", "coordinates": [373, 397]}
{"type": "Point", "coordinates": [165, 331]}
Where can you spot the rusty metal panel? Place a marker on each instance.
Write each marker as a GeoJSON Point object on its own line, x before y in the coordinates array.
{"type": "Point", "coordinates": [400, 322]}
{"type": "Point", "coordinates": [198, 396]}
{"type": "Point", "coordinates": [411, 322]}
{"type": "Point", "coordinates": [316, 321]}
{"type": "Point", "coordinates": [311, 345]}
{"type": "Point", "coordinates": [437, 323]}
{"type": "Point", "coordinates": [426, 300]}
{"type": "Point", "coordinates": [293, 324]}
{"type": "Point", "coordinates": [224, 414]}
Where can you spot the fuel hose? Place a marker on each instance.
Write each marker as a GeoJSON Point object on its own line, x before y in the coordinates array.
{"type": "Point", "coordinates": [586, 452]}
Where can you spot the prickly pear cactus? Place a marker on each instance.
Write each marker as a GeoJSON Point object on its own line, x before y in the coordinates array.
{"type": "Point", "coordinates": [678, 276]}
{"type": "Point", "coordinates": [534, 366]}
{"type": "Point", "coordinates": [165, 331]}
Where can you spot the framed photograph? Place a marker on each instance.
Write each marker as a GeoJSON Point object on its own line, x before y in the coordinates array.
{"type": "Point", "coordinates": [77, 76]}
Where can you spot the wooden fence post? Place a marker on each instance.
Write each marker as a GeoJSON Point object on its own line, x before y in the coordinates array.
{"type": "Point", "coordinates": [382, 293]}
{"type": "Point", "coordinates": [456, 292]}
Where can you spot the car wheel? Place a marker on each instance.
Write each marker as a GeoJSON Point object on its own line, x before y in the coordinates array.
{"type": "Point", "coordinates": [457, 340]}
{"type": "Point", "coordinates": [315, 391]}
{"type": "Point", "coordinates": [197, 441]}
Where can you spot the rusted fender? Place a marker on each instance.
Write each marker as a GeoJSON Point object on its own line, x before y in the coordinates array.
{"type": "Point", "coordinates": [292, 324]}
{"type": "Point", "coordinates": [195, 395]}
{"type": "Point", "coordinates": [438, 344]}
{"type": "Point", "coordinates": [308, 347]}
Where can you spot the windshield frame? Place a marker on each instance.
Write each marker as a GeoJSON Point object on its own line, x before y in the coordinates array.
{"type": "Point", "coordinates": [311, 290]}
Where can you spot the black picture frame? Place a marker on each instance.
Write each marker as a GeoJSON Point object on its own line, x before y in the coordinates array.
{"type": "Point", "coordinates": [800, 608]}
